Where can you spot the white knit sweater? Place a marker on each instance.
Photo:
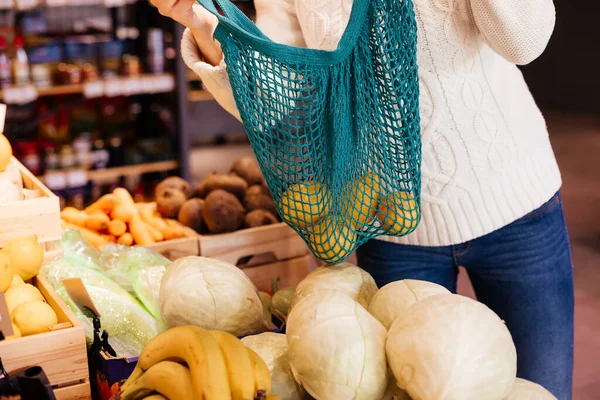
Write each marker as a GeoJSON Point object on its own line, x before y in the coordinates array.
{"type": "Point", "coordinates": [487, 159]}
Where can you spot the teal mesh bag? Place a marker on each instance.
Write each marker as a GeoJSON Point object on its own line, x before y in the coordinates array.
{"type": "Point", "coordinates": [336, 133]}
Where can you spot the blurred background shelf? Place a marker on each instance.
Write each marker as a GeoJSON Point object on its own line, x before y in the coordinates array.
{"type": "Point", "coordinates": [132, 170]}
{"type": "Point", "coordinates": [199, 95]}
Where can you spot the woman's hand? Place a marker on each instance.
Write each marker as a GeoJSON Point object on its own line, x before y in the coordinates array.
{"type": "Point", "coordinates": [200, 22]}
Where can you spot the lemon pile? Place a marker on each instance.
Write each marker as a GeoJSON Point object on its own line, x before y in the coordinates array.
{"type": "Point", "coordinates": [20, 260]}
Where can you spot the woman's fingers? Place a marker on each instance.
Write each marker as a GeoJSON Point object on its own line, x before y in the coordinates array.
{"type": "Point", "coordinates": [203, 30]}
{"type": "Point", "coordinates": [179, 10]}
{"type": "Point", "coordinates": [200, 21]}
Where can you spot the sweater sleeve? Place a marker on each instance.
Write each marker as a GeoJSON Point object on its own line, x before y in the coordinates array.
{"type": "Point", "coordinates": [214, 78]}
{"type": "Point", "coordinates": [518, 30]}
{"type": "Point", "coordinates": [277, 20]}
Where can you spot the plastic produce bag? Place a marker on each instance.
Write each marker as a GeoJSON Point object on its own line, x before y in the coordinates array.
{"type": "Point", "coordinates": [129, 324]}
{"type": "Point", "coordinates": [138, 270]}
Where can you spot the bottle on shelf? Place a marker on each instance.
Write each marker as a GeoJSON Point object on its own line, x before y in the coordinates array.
{"type": "Point", "coordinates": [20, 64]}
{"type": "Point", "coordinates": [100, 155]}
{"type": "Point", "coordinates": [5, 75]}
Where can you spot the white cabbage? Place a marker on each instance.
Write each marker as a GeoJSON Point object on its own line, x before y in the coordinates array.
{"type": "Point", "coordinates": [396, 298]}
{"type": "Point", "coordinates": [344, 277]}
{"type": "Point", "coordinates": [449, 347]}
{"type": "Point", "coordinates": [526, 390]}
{"type": "Point", "coordinates": [273, 349]}
{"type": "Point", "coordinates": [211, 294]}
{"type": "Point", "coordinates": [336, 348]}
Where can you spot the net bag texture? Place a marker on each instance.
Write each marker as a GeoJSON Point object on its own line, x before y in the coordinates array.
{"type": "Point", "coordinates": [336, 133]}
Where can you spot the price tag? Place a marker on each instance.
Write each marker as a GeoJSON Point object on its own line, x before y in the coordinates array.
{"type": "Point", "coordinates": [93, 89]}
{"type": "Point", "coordinates": [80, 295]}
{"type": "Point", "coordinates": [19, 94]}
{"type": "Point", "coordinates": [5, 322]}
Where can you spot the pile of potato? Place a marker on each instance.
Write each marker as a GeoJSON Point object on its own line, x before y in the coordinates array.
{"type": "Point", "coordinates": [220, 203]}
{"type": "Point", "coordinates": [115, 218]}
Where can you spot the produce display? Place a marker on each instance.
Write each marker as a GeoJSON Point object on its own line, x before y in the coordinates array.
{"type": "Point", "coordinates": [336, 348]}
{"type": "Point", "coordinates": [220, 203]}
{"type": "Point", "coordinates": [115, 218]}
{"type": "Point", "coordinates": [395, 298]}
{"type": "Point", "coordinates": [526, 390]}
{"type": "Point", "coordinates": [446, 333]}
{"type": "Point", "coordinates": [345, 277]}
{"type": "Point", "coordinates": [11, 181]}
{"type": "Point", "coordinates": [211, 294]}
{"type": "Point", "coordinates": [217, 366]}
{"type": "Point", "coordinates": [21, 260]}
{"type": "Point", "coordinates": [129, 308]}
{"type": "Point", "coordinates": [273, 349]}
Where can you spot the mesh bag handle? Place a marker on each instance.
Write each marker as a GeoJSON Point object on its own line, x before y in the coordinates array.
{"type": "Point", "coordinates": [336, 133]}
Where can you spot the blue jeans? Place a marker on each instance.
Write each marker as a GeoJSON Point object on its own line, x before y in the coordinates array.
{"type": "Point", "coordinates": [523, 272]}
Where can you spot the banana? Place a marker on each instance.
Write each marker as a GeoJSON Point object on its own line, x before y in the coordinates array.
{"type": "Point", "coordinates": [239, 365]}
{"type": "Point", "coordinates": [262, 377]}
{"type": "Point", "coordinates": [202, 354]}
{"type": "Point", "coordinates": [168, 378]}
{"type": "Point", "coordinates": [155, 397]}
{"type": "Point", "coordinates": [135, 375]}
{"type": "Point", "coordinates": [269, 397]}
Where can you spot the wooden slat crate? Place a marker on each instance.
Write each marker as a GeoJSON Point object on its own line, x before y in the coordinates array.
{"type": "Point", "coordinates": [252, 246]}
{"type": "Point", "coordinates": [40, 216]}
{"type": "Point", "coordinates": [278, 240]}
{"type": "Point", "coordinates": [62, 352]}
{"type": "Point", "coordinates": [289, 272]}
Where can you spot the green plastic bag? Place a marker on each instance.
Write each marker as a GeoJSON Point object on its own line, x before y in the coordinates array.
{"type": "Point", "coordinates": [336, 133]}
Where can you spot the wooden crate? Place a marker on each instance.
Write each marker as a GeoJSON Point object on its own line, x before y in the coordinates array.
{"type": "Point", "coordinates": [40, 216]}
{"type": "Point", "coordinates": [252, 246]}
{"type": "Point", "coordinates": [255, 245]}
{"type": "Point", "coordinates": [177, 248]}
{"type": "Point", "coordinates": [289, 272]}
{"type": "Point", "coordinates": [62, 352]}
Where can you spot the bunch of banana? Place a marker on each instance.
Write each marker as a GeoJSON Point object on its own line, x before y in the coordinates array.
{"type": "Point", "coordinates": [219, 367]}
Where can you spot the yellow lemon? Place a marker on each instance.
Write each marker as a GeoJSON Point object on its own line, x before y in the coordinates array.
{"type": "Point", "coordinates": [16, 333]}
{"type": "Point", "coordinates": [6, 271]}
{"type": "Point", "coordinates": [16, 280]}
{"type": "Point", "coordinates": [5, 152]}
{"type": "Point", "coordinates": [22, 293]}
{"type": "Point", "coordinates": [26, 255]}
{"type": "Point", "coordinates": [361, 200]}
{"type": "Point", "coordinates": [34, 317]}
{"type": "Point", "coordinates": [330, 241]}
{"type": "Point", "coordinates": [399, 214]}
{"type": "Point", "coordinates": [303, 204]}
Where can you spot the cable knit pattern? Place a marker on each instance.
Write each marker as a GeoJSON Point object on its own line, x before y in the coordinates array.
{"type": "Point", "coordinates": [487, 159]}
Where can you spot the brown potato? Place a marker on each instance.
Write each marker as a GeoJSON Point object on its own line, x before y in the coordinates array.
{"type": "Point", "coordinates": [247, 168]}
{"type": "Point", "coordinates": [259, 218]}
{"type": "Point", "coordinates": [257, 197]}
{"type": "Point", "coordinates": [190, 215]}
{"type": "Point", "coordinates": [169, 201]}
{"type": "Point", "coordinates": [229, 183]}
{"type": "Point", "coordinates": [174, 182]}
{"type": "Point", "coordinates": [222, 212]}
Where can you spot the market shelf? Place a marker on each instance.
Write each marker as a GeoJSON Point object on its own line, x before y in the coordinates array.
{"type": "Point", "coordinates": [200, 95]}
{"type": "Point", "coordinates": [128, 170]}
{"type": "Point", "coordinates": [119, 86]}
{"type": "Point", "coordinates": [109, 174]}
